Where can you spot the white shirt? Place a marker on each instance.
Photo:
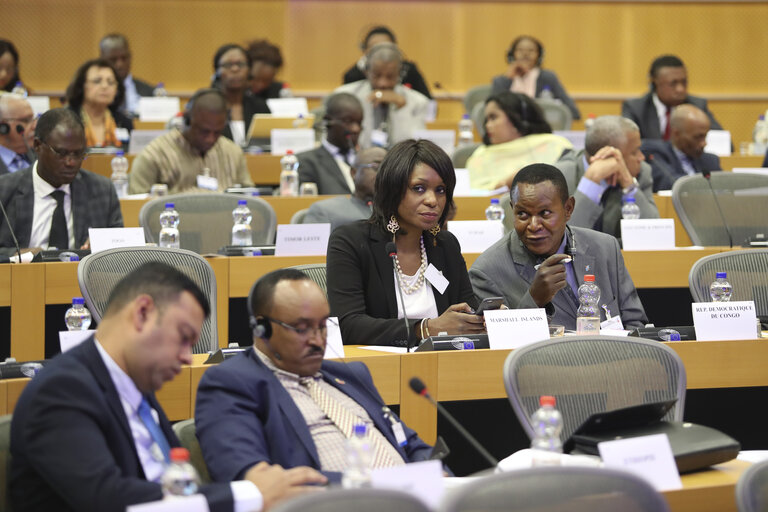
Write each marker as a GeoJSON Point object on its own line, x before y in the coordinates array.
{"type": "Point", "coordinates": [238, 132]}
{"type": "Point", "coordinates": [246, 496]}
{"type": "Point", "coordinates": [419, 304]}
{"type": "Point", "coordinates": [344, 166]}
{"type": "Point", "coordinates": [661, 113]}
{"type": "Point", "coordinates": [42, 213]}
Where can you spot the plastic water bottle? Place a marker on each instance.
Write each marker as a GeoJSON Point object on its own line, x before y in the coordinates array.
{"type": "Point", "coordinates": [547, 424]}
{"type": "Point", "coordinates": [546, 93]}
{"type": "Point", "coordinates": [589, 122]}
{"type": "Point", "coordinates": [180, 478]}
{"type": "Point", "coordinates": [289, 177]}
{"type": "Point", "coordinates": [241, 230]}
{"type": "Point", "coordinates": [760, 132]}
{"type": "Point", "coordinates": [286, 92]}
{"type": "Point", "coordinates": [120, 174]}
{"type": "Point", "coordinates": [300, 122]}
{"type": "Point", "coordinates": [720, 290]}
{"type": "Point", "coordinates": [160, 91]}
{"type": "Point", "coordinates": [630, 210]}
{"type": "Point", "coordinates": [19, 89]}
{"type": "Point", "coordinates": [494, 211]}
{"type": "Point", "coordinates": [588, 315]}
{"type": "Point", "coordinates": [466, 137]}
{"type": "Point", "coordinates": [359, 458]}
{"type": "Point", "coordinates": [169, 232]}
{"type": "Point", "coordinates": [78, 318]}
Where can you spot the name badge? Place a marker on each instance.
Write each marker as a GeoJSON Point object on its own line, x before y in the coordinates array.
{"type": "Point", "coordinates": [207, 182]}
{"type": "Point", "coordinates": [613, 324]}
{"type": "Point", "coordinates": [397, 429]}
{"type": "Point", "coordinates": [436, 279]}
{"type": "Point", "coordinates": [379, 138]}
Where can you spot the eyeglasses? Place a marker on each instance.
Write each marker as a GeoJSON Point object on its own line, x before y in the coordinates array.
{"type": "Point", "coordinates": [98, 81]}
{"type": "Point", "coordinates": [236, 64]}
{"type": "Point", "coordinates": [302, 331]}
{"type": "Point", "coordinates": [63, 155]}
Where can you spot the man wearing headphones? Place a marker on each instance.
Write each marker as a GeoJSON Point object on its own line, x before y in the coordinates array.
{"type": "Point", "coordinates": [391, 111]}
{"type": "Point", "coordinates": [280, 402]}
{"type": "Point", "coordinates": [17, 128]}
{"type": "Point", "coordinates": [329, 165]}
{"type": "Point", "coordinates": [669, 88]}
{"type": "Point", "coordinates": [195, 157]}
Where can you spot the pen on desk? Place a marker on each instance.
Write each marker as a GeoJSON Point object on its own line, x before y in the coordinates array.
{"type": "Point", "coordinates": [563, 261]}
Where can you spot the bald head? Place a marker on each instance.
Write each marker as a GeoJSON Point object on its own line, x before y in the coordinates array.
{"type": "Point", "coordinates": [115, 50]}
{"type": "Point", "coordinates": [17, 112]}
{"type": "Point", "coordinates": [365, 170]}
{"type": "Point", "coordinates": [206, 118]}
{"type": "Point", "coordinates": [688, 129]}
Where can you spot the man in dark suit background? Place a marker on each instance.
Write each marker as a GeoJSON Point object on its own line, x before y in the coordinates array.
{"type": "Point", "coordinates": [114, 48]}
{"type": "Point", "coordinates": [17, 126]}
{"type": "Point", "coordinates": [54, 202]}
{"type": "Point", "coordinates": [280, 402]}
{"type": "Point", "coordinates": [684, 154]}
{"type": "Point", "coordinates": [669, 88]}
{"type": "Point", "coordinates": [88, 433]}
{"type": "Point", "coordinates": [329, 164]}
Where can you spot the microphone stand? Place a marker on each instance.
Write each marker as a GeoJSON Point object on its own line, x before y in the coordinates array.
{"type": "Point", "coordinates": [707, 176]}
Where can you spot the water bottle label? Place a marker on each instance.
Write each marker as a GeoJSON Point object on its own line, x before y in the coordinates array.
{"type": "Point", "coordinates": [588, 325]}
{"type": "Point", "coordinates": [208, 183]}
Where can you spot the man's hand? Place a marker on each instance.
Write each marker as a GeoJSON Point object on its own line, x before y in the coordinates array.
{"type": "Point", "coordinates": [608, 164]}
{"type": "Point", "coordinates": [86, 246]}
{"type": "Point", "coordinates": [276, 483]}
{"type": "Point", "coordinates": [380, 96]}
{"type": "Point", "coordinates": [550, 279]}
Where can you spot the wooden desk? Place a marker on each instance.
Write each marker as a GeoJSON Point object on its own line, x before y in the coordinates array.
{"type": "Point", "coordinates": [713, 490]}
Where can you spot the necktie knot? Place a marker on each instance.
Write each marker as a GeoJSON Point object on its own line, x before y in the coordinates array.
{"type": "Point", "coordinates": [58, 195]}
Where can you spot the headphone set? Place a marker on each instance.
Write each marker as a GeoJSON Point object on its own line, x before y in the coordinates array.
{"type": "Point", "coordinates": [260, 326]}
{"type": "Point", "coordinates": [202, 92]}
{"type": "Point", "coordinates": [5, 128]}
{"type": "Point", "coordinates": [511, 52]}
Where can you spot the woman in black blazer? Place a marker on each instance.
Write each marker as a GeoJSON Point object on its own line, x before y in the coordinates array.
{"type": "Point", "coordinates": [414, 187]}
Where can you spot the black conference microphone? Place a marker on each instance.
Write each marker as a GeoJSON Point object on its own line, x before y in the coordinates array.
{"type": "Point", "coordinates": [392, 252]}
{"type": "Point", "coordinates": [418, 387]}
{"type": "Point", "coordinates": [707, 175]}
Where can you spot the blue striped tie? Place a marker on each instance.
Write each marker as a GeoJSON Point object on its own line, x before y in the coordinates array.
{"type": "Point", "coordinates": [145, 414]}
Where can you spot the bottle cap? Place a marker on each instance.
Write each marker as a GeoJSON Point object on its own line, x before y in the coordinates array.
{"type": "Point", "coordinates": [170, 205]}
{"type": "Point", "coordinates": [629, 199]}
{"type": "Point", "coordinates": [545, 400]}
{"type": "Point", "coordinates": [589, 278]}
{"type": "Point", "coordinates": [179, 455]}
{"type": "Point", "coordinates": [288, 151]}
{"type": "Point", "coordinates": [465, 116]}
{"type": "Point", "coordinates": [721, 275]}
{"type": "Point", "coordinates": [160, 85]}
{"type": "Point", "coordinates": [495, 200]}
{"type": "Point", "coordinates": [120, 152]}
{"type": "Point", "coordinates": [360, 429]}
{"type": "Point", "coordinates": [78, 300]}
{"type": "Point", "coordinates": [241, 202]}
{"type": "Point", "coordinates": [286, 85]}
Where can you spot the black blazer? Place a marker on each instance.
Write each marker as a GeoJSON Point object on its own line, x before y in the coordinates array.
{"type": "Point", "coordinates": [143, 88]}
{"type": "Point", "coordinates": [251, 105]}
{"type": "Point", "coordinates": [72, 447]}
{"type": "Point", "coordinates": [318, 166]}
{"type": "Point", "coordinates": [361, 283]}
{"type": "Point", "coordinates": [271, 92]}
{"type": "Point", "coordinates": [667, 168]}
{"type": "Point", "coordinates": [643, 112]}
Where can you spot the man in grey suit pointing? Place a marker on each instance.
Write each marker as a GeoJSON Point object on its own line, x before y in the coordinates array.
{"type": "Point", "coordinates": [543, 261]}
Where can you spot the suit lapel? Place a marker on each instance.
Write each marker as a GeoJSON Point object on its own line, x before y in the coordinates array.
{"type": "Point", "coordinates": [331, 163]}
{"type": "Point", "coordinates": [79, 210]}
{"type": "Point", "coordinates": [25, 207]}
{"type": "Point", "coordinates": [378, 245]}
{"type": "Point", "coordinates": [651, 119]}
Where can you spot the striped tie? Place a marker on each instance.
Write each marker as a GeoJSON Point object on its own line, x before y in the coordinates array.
{"type": "Point", "coordinates": [345, 421]}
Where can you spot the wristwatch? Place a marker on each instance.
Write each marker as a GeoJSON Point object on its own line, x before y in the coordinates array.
{"type": "Point", "coordinates": [631, 189]}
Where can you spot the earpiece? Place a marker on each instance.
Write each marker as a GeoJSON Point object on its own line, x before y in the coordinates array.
{"type": "Point", "coordinates": [5, 129]}
{"type": "Point", "coordinates": [261, 328]}
{"type": "Point", "coordinates": [539, 46]}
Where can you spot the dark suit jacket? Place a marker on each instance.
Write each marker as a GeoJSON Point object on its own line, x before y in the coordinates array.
{"type": "Point", "coordinates": [361, 283]}
{"type": "Point", "coordinates": [411, 76]}
{"type": "Point", "coordinates": [31, 156]}
{"type": "Point", "coordinates": [143, 88]}
{"type": "Point", "coordinates": [244, 416]}
{"type": "Point", "coordinates": [546, 78]}
{"type": "Point", "coordinates": [507, 269]}
{"type": "Point", "coordinates": [94, 205]}
{"type": "Point", "coordinates": [251, 105]}
{"type": "Point", "coordinates": [643, 112]}
{"type": "Point", "coordinates": [72, 447]}
{"type": "Point", "coordinates": [318, 166]}
{"type": "Point", "coordinates": [271, 92]}
{"type": "Point", "coordinates": [765, 162]}
{"type": "Point", "coordinates": [666, 166]}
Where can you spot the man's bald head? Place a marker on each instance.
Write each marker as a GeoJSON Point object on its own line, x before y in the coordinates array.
{"type": "Point", "coordinates": [688, 129]}
{"type": "Point", "coordinates": [205, 118]}
{"type": "Point", "coordinates": [115, 50]}
{"type": "Point", "coordinates": [207, 100]}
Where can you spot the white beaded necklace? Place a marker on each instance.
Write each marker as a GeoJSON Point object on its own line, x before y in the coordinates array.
{"type": "Point", "coordinates": [409, 289]}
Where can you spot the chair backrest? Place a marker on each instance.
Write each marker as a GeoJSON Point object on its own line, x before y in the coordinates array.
{"type": "Point", "coordinates": [752, 488]}
{"type": "Point", "coordinates": [298, 217]}
{"type": "Point", "coordinates": [353, 500]}
{"type": "Point", "coordinates": [316, 272]}
{"type": "Point", "coordinates": [558, 489]}
{"type": "Point", "coordinates": [747, 272]}
{"type": "Point", "coordinates": [588, 374]}
{"type": "Point", "coordinates": [478, 117]}
{"type": "Point", "coordinates": [461, 155]}
{"type": "Point", "coordinates": [556, 113]}
{"type": "Point", "coordinates": [206, 220]}
{"type": "Point", "coordinates": [476, 95]}
{"type": "Point", "coordinates": [5, 460]}
{"type": "Point", "coordinates": [98, 273]}
{"type": "Point", "coordinates": [185, 431]}
{"type": "Point", "coordinates": [743, 198]}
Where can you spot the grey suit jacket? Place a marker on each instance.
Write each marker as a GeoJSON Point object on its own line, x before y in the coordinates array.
{"type": "Point", "coordinates": [546, 78]}
{"type": "Point", "coordinates": [31, 156]}
{"type": "Point", "coordinates": [667, 167]}
{"type": "Point", "coordinates": [605, 216]}
{"type": "Point", "coordinates": [94, 205]}
{"type": "Point", "coordinates": [337, 211]}
{"type": "Point", "coordinates": [318, 166]}
{"type": "Point", "coordinates": [506, 269]}
{"type": "Point", "coordinates": [643, 112]}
